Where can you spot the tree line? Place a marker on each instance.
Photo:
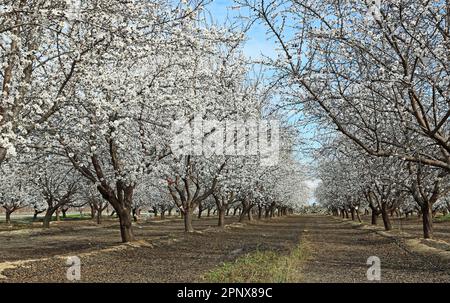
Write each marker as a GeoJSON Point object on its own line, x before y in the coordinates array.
{"type": "Point", "coordinates": [89, 98]}
{"type": "Point", "coordinates": [374, 77]}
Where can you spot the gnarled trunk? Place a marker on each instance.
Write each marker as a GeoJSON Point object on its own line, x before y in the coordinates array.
{"type": "Point", "coordinates": [427, 221]}
{"type": "Point", "coordinates": [221, 217]}
{"type": "Point", "coordinates": [135, 213]}
{"type": "Point", "coordinates": [48, 217]}
{"type": "Point", "coordinates": [374, 217]}
{"type": "Point", "coordinates": [250, 215]}
{"type": "Point", "coordinates": [92, 212]}
{"type": "Point", "coordinates": [358, 216]}
{"type": "Point", "coordinates": [188, 221]}
{"type": "Point", "coordinates": [126, 231]}
{"type": "Point", "coordinates": [8, 216]}
{"type": "Point", "coordinates": [385, 216]}
{"type": "Point", "coordinates": [99, 216]}
{"type": "Point", "coordinates": [122, 202]}
{"type": "Point", "coordinates": [200, 210]}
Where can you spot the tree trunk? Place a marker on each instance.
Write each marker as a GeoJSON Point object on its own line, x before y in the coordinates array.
{"type": "Point", "coordinates": [188, 221]}
{"type": "Point", "coordinates": [57, 215]}
{"type": "Point", "coordinates": [99, 216]}
{"type": "Point", "coordinates": [242, 215]}
{"type": "Point", "coordinates": [374, 217]}
{"type": "Point", "coordinates": [135, 214]}
{"type": "Point", "coordinates": [163, 215]}
{"type": "Point", "coordinates": [358, 216]}
{"type": "Point", "coordinates": [266, 213]}
{"type": "Point", "coordinates": [8, 217]}
{"type": "Point", "coordinates": [249, 214]}
{"type": "Point", "coordinates": [64, 213]}
{"type": "Point", "coordinates": [352, 212]}
{"type": "Point", "coordinates": [427, 221]}
{"type": "Point", "coordinates": [386, 219]}
{"type": "Point", "coordinates": [48, 217]}
{"type": "Point", "coordinates": [92, 212]}
{"type": "Point", "coordinates": [126, 231]}
{"type": "Point", "coordinates": [259, 212]}
{"type": "Point", "coordinates": [221, 217]}
{"type": "Point", "coordinates": [200, 210]}
{"type": "Point", "coordinates": [272, 212]}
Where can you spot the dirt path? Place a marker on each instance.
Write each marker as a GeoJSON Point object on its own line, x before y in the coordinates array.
{"type": "Point", "coordinates": [339, 253]}
{"type": "Point", "coordinates": [174, 257]}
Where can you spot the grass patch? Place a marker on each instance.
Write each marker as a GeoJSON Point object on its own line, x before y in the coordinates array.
{"type": "Point", "coordinates": [262, 267]}
{"type": "Point", "coordinates": [75, 217]}
{"type": "Point", "coordinates": [26, 221]}
{"type": "Point", "coordinates": [442, 219]}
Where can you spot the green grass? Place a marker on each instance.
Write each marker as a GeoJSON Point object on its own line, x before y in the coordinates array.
{"type": "Point", "coordinates": [262, 267]}
{"type": "Point", "coordinates": [74, 217]}
{"type": "Point", "coordinates": [443, 218]}
{"type": "Point", "coordinates": [24, 221]}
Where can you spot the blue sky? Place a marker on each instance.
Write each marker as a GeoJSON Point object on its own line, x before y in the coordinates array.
{"type": "Point", "coordinates": [258, 44]}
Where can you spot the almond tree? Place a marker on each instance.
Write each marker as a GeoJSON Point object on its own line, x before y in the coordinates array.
{"type": "Point", "coordinates": [91, 195]}
{"type": "Point", "coordinates": [351, 179]}
{"type": "Point", "coordinates": [192, 184]}
{"type": "Point", "coordinates": [384, 184]}
{"type": "Point", "coordinates": [116, 127]}
{"type": "Point", "coordinates": [45, 47]}
{"type": "Point", "coordinates": [379, 74]}
{"type": "Point", "coordinates": [14, 186]}
{"type": "Point", "coordinates": [57, 183]}
{"type": "Point", "coordinates": [428, 186]}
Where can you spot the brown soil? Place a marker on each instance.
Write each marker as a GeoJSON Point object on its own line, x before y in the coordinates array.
{"type": "Point", "coordinates": [339, 251]}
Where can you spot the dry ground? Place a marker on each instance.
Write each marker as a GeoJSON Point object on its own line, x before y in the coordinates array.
{"type": "Point", "coordinates": [339, 251]}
